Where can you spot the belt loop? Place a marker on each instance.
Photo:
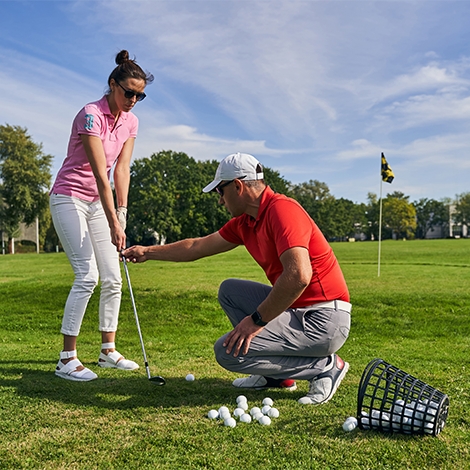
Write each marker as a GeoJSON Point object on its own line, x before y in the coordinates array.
{"type": "Point", "coordinates": [336, 305]}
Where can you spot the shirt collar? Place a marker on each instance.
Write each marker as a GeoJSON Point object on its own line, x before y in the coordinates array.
{"type": "Point", "coordinates": [104, 105]}
{"type": "Point", "coordinates": [266, 197]}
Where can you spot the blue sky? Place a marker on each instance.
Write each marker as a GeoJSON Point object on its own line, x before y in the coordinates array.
{"type": "Point", "coordinates": [314, 89]}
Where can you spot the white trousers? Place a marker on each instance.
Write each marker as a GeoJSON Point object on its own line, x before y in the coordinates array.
{"type": "Point", "coordinates": [83, 230]}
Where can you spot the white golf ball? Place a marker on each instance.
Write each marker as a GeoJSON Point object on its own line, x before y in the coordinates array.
{"type": "Point", "coordinates": [264, 420]}
{"type": "Point", "coordinates": [350, 424]}
{"type": "Point", "coordinates": [241, 398]}
{"type": "Point", "coordinates": [254, 410]}
{"type": "Point", "coordinates": [190, 378]}
{"type": "Point", "coordinates": [305, 401]}
{"type": "Point", "coordinates": [213, 414]}
{"type": "Point", "coordinates": [268, 401]}
{"type": "Point", "coordinates": [243, 405]}
{"type": "Point", "coordinates": [222, 409]}
{"type": "Point", "coordinates": [225, 415]}
{"type": "Point", "coordinates": [265, 409]}
{"type": "Point", "coordinates": [237, 412]}
{"type": "Point", "coordinates": [230, 422]}
{"type": "Point", "coordinates": [273, 413]}
{"type": "Point", "coordinates": [257, 416]}
{"type": "Point", "coordinates": [245, 418]}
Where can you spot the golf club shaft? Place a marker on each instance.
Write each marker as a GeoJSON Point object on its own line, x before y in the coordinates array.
{"type": "Point", "coordinates": [136, 316]}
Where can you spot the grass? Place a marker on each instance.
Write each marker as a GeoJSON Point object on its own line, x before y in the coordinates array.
{"type": "Point", "coordinates": [414, 316]}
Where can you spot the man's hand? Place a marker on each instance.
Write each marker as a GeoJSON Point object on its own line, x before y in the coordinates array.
{"type": "Point", "coordinates": [135, 254]}
{"type": "Point", "coordinates": [240, 336]}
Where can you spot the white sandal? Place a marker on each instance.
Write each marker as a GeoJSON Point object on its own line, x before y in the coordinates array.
{"type": "Point", "coordinates": [115, 359]}
{"type": "Point", "coordinates": [69, 371]}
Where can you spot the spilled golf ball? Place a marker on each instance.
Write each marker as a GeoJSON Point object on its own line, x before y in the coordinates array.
{"type": "Point", "coordinates": [350, 424]}
{"type": "Point", "coordinates": [230, 422]}
{"type": "Point", "coordinates": [264, 420]}
{"type": "Point", "coordinates": [190, 378]}
{"type": "Point", "coordinates": [268, 401]}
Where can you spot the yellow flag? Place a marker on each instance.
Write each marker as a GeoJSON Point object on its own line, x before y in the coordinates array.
{"type": "Point", "coordinates": [387, 173]}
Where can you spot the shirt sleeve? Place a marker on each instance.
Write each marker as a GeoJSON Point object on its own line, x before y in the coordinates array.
{"type": "Point", "coordinates": [89, 121]}
{"type": "Point", "coordinates": [230, 233]}
{"type": "Point", "coordinates": [287, 234]}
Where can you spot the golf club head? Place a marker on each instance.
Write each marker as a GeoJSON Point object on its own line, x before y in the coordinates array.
{"type": "Point", "coordinates": [157, 380]}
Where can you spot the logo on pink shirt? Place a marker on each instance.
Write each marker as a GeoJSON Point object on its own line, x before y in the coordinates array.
{"type": "Point", "coordinates": [89, 122]}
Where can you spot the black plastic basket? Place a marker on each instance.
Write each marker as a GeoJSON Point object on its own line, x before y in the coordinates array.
{"type": "Point", "coordinates": [391, 400]}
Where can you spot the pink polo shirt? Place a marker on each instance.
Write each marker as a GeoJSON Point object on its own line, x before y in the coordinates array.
{"type": "Point", "coordinates": [75, 178]}
{"type": "Point", "coordinates": [282, 223]}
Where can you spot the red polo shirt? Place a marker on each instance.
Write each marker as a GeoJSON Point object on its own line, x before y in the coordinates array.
{"type": "Point", "coordinates": [282, 223]}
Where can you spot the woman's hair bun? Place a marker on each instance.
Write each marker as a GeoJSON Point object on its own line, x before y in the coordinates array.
{"type": "Point", "coordinates": [122, 57]}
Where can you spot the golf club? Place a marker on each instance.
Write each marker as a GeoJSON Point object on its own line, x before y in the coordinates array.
{"type": "Point", "coordinates": [157, 380]}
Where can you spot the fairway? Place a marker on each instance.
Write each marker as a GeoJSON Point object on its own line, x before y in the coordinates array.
{"type": "Point", "coordinates": [414, 316]}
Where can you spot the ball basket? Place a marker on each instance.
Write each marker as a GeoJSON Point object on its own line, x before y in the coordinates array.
{"type": "Point", "coordinates": [391, 400]}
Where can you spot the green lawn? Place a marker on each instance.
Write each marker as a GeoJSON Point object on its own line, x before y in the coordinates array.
{"type": "Point", "coordinates": [415, 316]}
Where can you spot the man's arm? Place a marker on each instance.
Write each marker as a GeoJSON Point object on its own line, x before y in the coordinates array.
{"type": "Point", "coordinates": [295, 277]}
{"type": "Point", "coordinates": [189, 249]}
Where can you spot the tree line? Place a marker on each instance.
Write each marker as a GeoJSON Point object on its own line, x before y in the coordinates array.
{"type": "Point", "coordinates": [166, 202]}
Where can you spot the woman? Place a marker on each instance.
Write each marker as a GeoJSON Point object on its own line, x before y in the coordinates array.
{"type": "Point", "coordinates": [90, 229]}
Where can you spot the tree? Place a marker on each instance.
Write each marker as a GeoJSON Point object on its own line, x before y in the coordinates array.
{"type": "Point", "coordinates": [347, 219]}
{"type": "Point", "coordinates": [276, 182]}
{"type": "Point", "coordinates": [399, 215]}
{"type": "Point", "coordinates": [429, 215]}
{"type": "Point", "coordinates": [316, 199]}
{"type": "Point", "coordinates": [166, 202]}
{"type": "Point", "coordinates": [372, 214]}
{"type": "Point", "coordinates": [24, 179]}
{"type": "Point", "coordinates": [462, 209]}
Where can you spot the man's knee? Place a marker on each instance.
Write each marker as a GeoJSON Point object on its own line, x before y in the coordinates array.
{"type": "Point", "coordinates": [227, 361]}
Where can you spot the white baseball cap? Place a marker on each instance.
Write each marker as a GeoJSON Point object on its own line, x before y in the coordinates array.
{"type": "Point", "coordinates": [238, 165]}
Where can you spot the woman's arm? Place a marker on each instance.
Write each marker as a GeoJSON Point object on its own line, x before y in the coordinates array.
{"type": "Point", "coordinates": [122, 173]}
{"type": "Point", "coordinates": [95, 153]}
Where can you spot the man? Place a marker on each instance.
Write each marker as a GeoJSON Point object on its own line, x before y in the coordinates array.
{"type": "Point", "coordinates": [293, 329]}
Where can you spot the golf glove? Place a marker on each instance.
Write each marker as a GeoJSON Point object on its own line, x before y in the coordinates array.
{"type": "Point", "coordinates": [121, 213]}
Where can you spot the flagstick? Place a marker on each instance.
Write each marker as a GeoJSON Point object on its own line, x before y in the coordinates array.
{"type": "Point", "coordinates": [380, 227]}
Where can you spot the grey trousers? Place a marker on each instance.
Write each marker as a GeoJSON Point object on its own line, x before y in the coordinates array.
{"type": "Point", "coordinates": [294, 345]}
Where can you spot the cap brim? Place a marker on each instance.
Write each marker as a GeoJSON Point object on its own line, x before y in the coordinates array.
{"type": "Point", "coordinates": [211, 186]}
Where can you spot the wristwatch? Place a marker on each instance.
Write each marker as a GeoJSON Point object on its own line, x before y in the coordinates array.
{"type": "Point", "coordinates": [257, 319]}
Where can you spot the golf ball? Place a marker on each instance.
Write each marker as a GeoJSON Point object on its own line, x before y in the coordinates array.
{"type": "Point", "coordinates": [350, 424]}
{"type": "Point", "coordinates": [254, 410]}
{"type": "Point", "coordinates": [237, 412]}
{"type": "Point", "coordinates": [222, 409]}
{"type": "Point", "coordinates": [241, 398]}
{"type": "Point", "coordinates": [268, 401]}
{"type": "Point", "coordinates": [243, 405]}
{"type": "Point", "coordinates": [230, 422]}
{"type": "Point", "coordinates": [245, 418]}
{"type": "Point", "coordinates": [225, 415]}
{"type": "Point", "coordinates": [258, 416]}
{"type": "Point", "coordinates": [265, 409]}
{"type": "Point", "coordinates": [264, 420]}
{"type": "Point", "coordinates": [273, 413]}
{"type": "Point", "coordinates": [190, 378]}
{"type": "Point", "coordinates": [213, 414]}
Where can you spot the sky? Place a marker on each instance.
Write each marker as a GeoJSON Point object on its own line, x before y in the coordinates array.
{"type": "Point", "coordinates": [316, 89]}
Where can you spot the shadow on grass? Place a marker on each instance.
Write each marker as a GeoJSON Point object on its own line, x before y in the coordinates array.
{"type": "Point", "coordinates": [123, 390]}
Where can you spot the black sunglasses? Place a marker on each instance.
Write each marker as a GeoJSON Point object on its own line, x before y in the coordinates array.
{"type": "Point", "coordinates": [129, 94]}
{"type": "Point", "coordinates": [219, 189]}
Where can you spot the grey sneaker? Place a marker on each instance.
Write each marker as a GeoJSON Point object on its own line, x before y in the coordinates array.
{"type": "Point", "coordinates": [258, 382]}
{"type": "Point", "coordinates": [324, 385]}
